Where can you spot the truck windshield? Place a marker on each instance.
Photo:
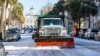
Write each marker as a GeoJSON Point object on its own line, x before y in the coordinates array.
{"type": "Point", "coordinates": [52, 21]}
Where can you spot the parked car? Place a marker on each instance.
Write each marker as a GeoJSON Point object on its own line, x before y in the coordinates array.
{"type": "Point", "coordinates": [12, 34]}
{"type": "Point", "coordinates": [82, 33]}
{"type": "Point", "coordinates": [90, 33]}
{"type": "Point", "coordinates": [2, 49]}
{"type": "Point", "coordinates": [97, 36]}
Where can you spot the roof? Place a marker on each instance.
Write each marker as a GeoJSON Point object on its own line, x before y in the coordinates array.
{"type": "Point", "coordinates": [50, 16]}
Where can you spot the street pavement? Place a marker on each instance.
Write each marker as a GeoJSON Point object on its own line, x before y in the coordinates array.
{"type": "Point", "coordinates": [90, 44]}
{"type": "Point", "coordinates": [26, 47]}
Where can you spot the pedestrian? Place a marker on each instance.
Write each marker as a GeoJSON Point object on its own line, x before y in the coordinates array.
{"type": "Point", "coordinates": [76, 27]}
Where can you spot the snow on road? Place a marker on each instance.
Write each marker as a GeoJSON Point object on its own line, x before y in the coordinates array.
{"type": "Point", "coordinates": [90, 44]}
{"type": "Point", "coordinates": [87, 41]}
{"type": "Point", "coordinates": [26, 47]}
{"type": "Point", "coordinates": [26, 40]}
{"type": "Point", "coordinates": [52, 51]}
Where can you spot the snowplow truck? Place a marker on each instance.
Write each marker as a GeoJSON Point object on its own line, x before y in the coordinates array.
{"type": "Point", "coordinates": [52, 32]}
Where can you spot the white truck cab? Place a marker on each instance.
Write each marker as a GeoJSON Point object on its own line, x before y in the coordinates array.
{"type": "Point", "coordinates": [52, 27]}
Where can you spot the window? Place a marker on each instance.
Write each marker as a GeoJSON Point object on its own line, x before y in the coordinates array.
{"type": "Point", "coordinates": [52, 21]}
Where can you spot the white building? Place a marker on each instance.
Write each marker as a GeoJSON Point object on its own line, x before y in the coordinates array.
{"type": "Point", "coordinates": [30, 19]}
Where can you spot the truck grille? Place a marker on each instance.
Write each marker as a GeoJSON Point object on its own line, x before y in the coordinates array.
{"type": "Point", "coordinates": [52, 31]}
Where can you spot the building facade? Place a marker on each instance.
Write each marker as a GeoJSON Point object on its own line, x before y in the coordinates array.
{"type": "Point", "coordinates": [30, 19]}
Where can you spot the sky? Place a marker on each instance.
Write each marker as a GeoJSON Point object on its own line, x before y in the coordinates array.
{"type": "Point", "coordinates": [36, 4]}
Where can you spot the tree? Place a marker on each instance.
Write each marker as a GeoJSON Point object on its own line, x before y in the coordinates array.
{"type": "Point", "coordinates": [2, 18]}
{"type": "Point", "coordinates": [77, 9]}
{"type": "Point", "coordinates": [82, 9]}
{"type": "Point", "coordinates": [3, 13]}
{"type": "Point", "coordinates": [12, 4]}
{"type": "Point", "coordinates": [74, 8]}
{"type": "Point", "coordinates": [0, 3]}
{"type": "Point", "coordinates": [58, 7]}
{"type": "Point", "coordinates": [89, 8]}
{"type": "Point", "coordinates": [17, 14]}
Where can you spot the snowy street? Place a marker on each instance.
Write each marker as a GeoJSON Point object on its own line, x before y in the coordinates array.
{"type": "Point", "coordinates": [90, 44]}
{"type": "Point", "coordinates": [26, 47]}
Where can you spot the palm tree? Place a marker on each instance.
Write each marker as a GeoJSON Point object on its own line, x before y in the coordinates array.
{"type": "Point", "coordinates": [12, 4]}
{"type": "Point", "coordinates": [21, 16]}
{"type": "Point", "coordinates": [17, 14]}
{"type": "Point", "coordinates": [2, 17]}
{"type": "Point", "coordinates": [3, 13]}
{"type": "Point", "coordinates": [0, 3]}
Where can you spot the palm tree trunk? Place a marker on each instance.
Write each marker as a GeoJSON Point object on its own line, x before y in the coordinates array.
{"type": "Point", "coordinates": [5, 17]}
{"type": "Point", "coordinates": [16, 23]}
{"type": "Point", "coordinates": [20, 25]}
{"type": "Point", "coordinates": [9, 17]}
{"type": "Point", "coordinates": [2, 19]}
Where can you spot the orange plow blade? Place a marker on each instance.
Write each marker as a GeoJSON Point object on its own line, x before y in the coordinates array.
{"type": "Point", "coordinates": [60, 42]}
